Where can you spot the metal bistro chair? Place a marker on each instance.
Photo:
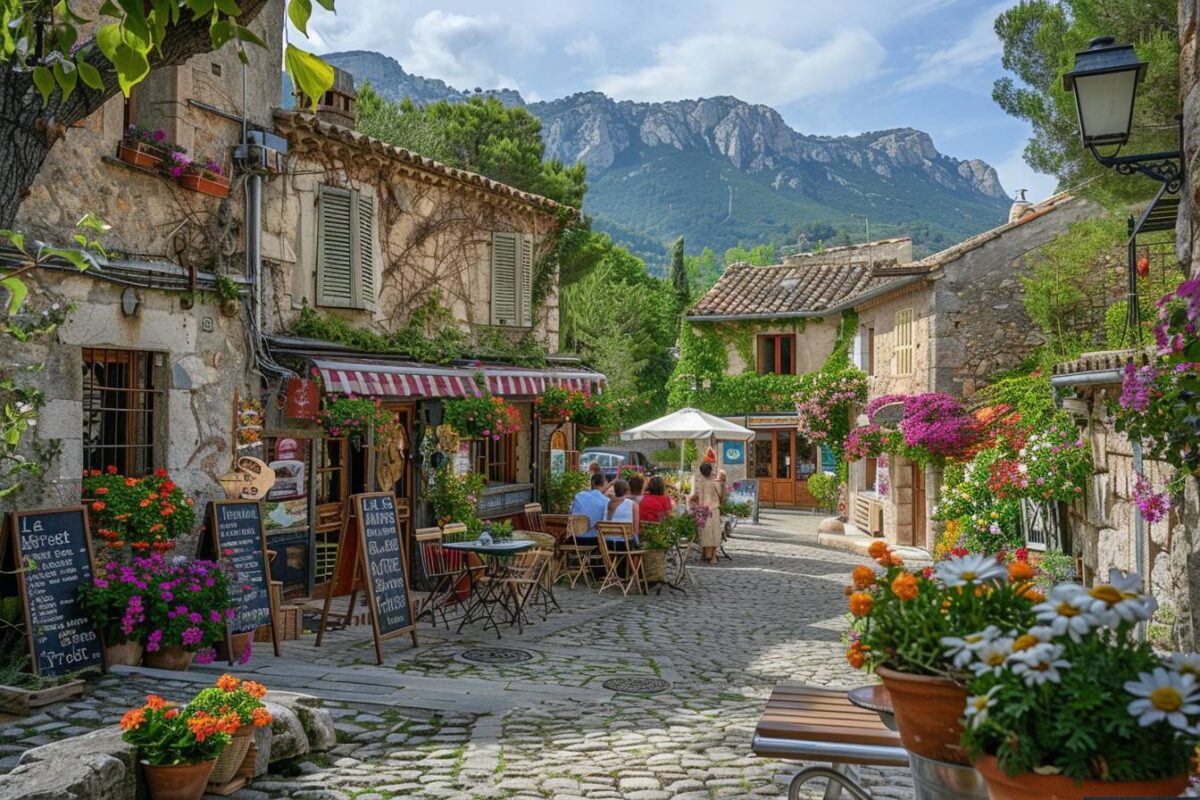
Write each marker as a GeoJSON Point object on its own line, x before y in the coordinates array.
{"type": "Point", "coordinates": [543, 595]}
{"type": "Point", "coordinates": [616, 562]}
{"type": "Point", "coordinates": [575, 560]}
{"type": "Point", "coordinates": [440, 568]}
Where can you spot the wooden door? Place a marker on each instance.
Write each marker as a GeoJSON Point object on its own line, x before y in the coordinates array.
{"type": "Point", "coordinates": [918, 505]}
{"type": "Point", "coordinates": [784, 476]}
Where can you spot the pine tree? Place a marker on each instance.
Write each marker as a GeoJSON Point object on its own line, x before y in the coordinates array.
{"type": "Point", "coordinates": [679, 277]}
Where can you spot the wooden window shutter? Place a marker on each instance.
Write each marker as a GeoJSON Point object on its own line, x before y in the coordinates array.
{"type": "Point", "coordinates": [335, 249]}
{"type": "Point", "coordinates": [525, 294]}
{"type": "Point", "coordinates": [903, 363]}
{"type": "Point", "coordinates": [364, 241]}
{"type": "Point", "coordinates": [506, 254]}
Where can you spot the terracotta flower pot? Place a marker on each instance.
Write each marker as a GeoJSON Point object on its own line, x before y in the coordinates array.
{"type": "Point", "coordinates": [173, 657]}
{"type": "Point", "coordinates": [215, 185]}
{"type": "Point", "coordinates": [140, 154]}
{"type": "Point", "coordinates": [1031, 786]}
{"type": "Point", "coordinates": [231, 758]}
{"type": "Point", "coordinates": [128, 654]}
{"type": "Point", "coordinates": [177, 781]}
{"type": "Point", "coordinates": [240, 640]}
{"type": "Point", "coordinates": [928, 713]}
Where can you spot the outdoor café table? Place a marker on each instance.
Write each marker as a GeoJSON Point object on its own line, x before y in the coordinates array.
{"type": "Point", "coordinates": [485, 593]}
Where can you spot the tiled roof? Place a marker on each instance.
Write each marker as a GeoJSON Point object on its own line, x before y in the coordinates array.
{"type": "Point", "coordinates": [293, 122]}
{"type": "Point", "coordinates": [1102, 361]}
{"type": "Point", "coordinates": [746, 290]}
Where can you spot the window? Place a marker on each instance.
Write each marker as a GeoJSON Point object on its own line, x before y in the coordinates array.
{"type": "Point", "coordinates": [123, 396]}
{"type": "Point", "coordinates": [512, 280]}
{"type": "Point", "coordinates": [345, 249]}
{"type": "Point", "coordinates": [496, 459]}
{"type": "Point", "coordinates": [903, 361]}
{"type": "Point", "coordinates": [777, 354]}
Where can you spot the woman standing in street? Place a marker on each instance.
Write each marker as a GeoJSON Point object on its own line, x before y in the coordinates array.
{"type": "Point", "coordinates": [709, 492]}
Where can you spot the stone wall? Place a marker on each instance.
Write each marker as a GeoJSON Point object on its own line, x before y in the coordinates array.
{"type": "Point", "coordinates": [814, 342]}
{"type": "Point", "coordinates": [898, 251]}
{"type": "Point", "coordinates": [881, 317]}
{"type": "Point", "coordinates": [981, 326]}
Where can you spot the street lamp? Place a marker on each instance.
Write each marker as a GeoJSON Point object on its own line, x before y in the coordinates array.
{"type": "Point", "coordinates": [1104, 82]}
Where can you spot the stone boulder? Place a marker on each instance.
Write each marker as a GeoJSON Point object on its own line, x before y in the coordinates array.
{"type": "Point", "coordinates": [300, 725]}
{"type": "Point", "coordinates": [94, 766]}
{"type": "Point", "coordinates": [831, 525]}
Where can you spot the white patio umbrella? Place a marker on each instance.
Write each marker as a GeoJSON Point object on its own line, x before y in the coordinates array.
{"type": "Point", "coordinates": [687, 423]}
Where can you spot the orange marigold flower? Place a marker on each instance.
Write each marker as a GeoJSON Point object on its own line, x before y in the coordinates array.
{"type": "Point", "coordinates": [861, 603]}
{"type": "Point", "coordinates": [905, 586]}
{"type": "Point", "coordinates": [1029, 592]}
{"type": "Point", "coordinates": [261, 717]}
{"type": "Point", "coordinates": [154, 702]}
{"type": "Point", "coordinates": [1020, 571]}
{"type": "Point", "coordinates": [856, 657]}
{"type": "Point", "coordinates": [256, 689]}
{"type": "Point", "coordinates": [228, 683]}
{"type": "Point", "coordinates": [203, 725]}
{"type": "Point", "coordinates": [229, 723]}
{"type": "Point", "coordinates": [133, 719]}
{"type": "Point", "coordinates": [863, 576]}
{"type": "Point", "coordinates": [878, 548]}
{"type": "Point", "coordinates": [171, 713]}
{"type": "Point", "coordinates": [891, 560]}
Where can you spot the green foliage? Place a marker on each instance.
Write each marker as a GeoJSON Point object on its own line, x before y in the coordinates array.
{"type": "Point", "coordinates": [826, 488]}
{"type": "Point", "coordinates": [1069, 279]}
{"type": "Point", "coordinates": [730, 508]}
{"type": "Point", "coordinates": [1028, 393]}
{"type": "Point", "coordinates": [401, 124]}
{"type": "Point", "coordinates": [1040, 39]}
{"type": "Point", "coordinates": [671, 530]}
{"type": "Point", "coordinates": [226, 288]}
{"type": "Point", "coordinates": [562, 488]}
{"type": "Point", "coordinates": [482, 416]}
{"type": "Point", "coordinates": [760, 255]}
{"type": "Point", "coordinates": [455, 498]}
{"type": "Point", "coordinates": [679, 277]}
{"type": "Point", "coordinates": [703, 270]}
{"type": "Point", "coordinates": [839, 356]}
{"type": "Point", "coordinates": [352, 416]}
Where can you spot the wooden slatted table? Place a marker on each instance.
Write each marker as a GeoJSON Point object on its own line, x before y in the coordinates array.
{"type": "Point", "coordinates": [812, 723]}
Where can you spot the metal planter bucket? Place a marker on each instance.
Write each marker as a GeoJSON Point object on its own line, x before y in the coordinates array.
{"type": "Point", "coordinates": [939, 780]}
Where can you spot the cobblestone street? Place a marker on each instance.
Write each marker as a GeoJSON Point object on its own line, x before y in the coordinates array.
{"type": "Point", "coordinates": [549, 720]}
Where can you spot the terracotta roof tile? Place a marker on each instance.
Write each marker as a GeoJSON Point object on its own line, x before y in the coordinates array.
{"type": "Point", "coordinates": [785, 289]}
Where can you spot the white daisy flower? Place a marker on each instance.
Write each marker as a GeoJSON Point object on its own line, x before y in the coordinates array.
{"type": "Point", "coordinates": [992, 656]}
{"type": "Point", "coordinates": [1163, 695]}
{"type": "Point", "coordinates": [1065, 611]}
{"type": "Point", "coordinates": [1185, 664]}
{"type": "Point", "coordinates": [968, 569]}
{"type": "Point", "coordinates": [1039, 664]}
{"type": "Point", "coordinates": [962, 650]}
{"type": "Point", "coordinates": [1038, 634]}
{"type": "Point", "coordinates": [978, 705]}
{"type": "Point", "coordinates": [1120, 599]}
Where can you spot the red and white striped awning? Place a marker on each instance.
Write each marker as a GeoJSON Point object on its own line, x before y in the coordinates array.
{"type": "Point", "coordinates": [378, 379]}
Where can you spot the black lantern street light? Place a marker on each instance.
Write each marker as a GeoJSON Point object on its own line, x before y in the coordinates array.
{"type": "Point", "coordinates": [1104, 82]}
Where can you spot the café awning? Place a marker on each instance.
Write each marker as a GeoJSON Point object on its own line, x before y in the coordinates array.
{"type": "Point", "coordinates": [383, 379]}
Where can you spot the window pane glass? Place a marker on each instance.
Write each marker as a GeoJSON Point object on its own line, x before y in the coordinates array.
{"type": "Point", "coordinates": [768, 355]}
{"type": "Point", "coordinates": [762, 458]}
{"type": "Point", "coordinates": [785, 355]}
{"type": "Point", "coordinates": [783, 455]}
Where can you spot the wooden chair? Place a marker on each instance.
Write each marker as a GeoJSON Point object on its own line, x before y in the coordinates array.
{"type": "Point", "coordinates": [533, 518]}
{"type": "Point", "coordinates": [454, 532]}
{"type": "Point", "coordinates": [622, 568]}
{"type": "Point", "coordinates": [574, 561]}
{"type": "Point", "coordinates": [522, 581]}
{"type": "Point", "coordinates": [555, 525]}
{"type": "Point", "coordinates": [439, 567]}
{"type": "Point", "coordinates": [812, 723]}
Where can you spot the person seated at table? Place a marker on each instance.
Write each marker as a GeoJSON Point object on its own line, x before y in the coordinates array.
{"type": "Point", "coordinates": [655, 505]}
{"type": "Point", "coordinates": [592, 502]}
{"type": "Point", "coordinates": [621, 507]}
{"type": "Point", "coordinates": [636, 484]}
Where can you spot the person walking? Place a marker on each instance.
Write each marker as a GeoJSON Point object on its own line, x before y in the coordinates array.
{"type": "Point", "coordinates": [708, 492]}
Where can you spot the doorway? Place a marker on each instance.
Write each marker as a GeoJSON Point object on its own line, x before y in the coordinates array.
{"type": "Point", "coordinates": [783, 461]}
{"type": "Point", "coordinates": [918, 505]}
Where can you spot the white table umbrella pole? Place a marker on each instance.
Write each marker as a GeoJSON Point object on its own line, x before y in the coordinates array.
{"type": "Point", "coordinates": [682, 444]}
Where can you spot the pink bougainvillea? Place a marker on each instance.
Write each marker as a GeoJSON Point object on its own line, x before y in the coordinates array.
{"type": "Point", "coordinates": [937, 424]}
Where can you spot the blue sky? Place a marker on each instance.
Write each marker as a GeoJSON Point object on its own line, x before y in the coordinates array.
{"type": "Point", "coordinates": [828, 66]}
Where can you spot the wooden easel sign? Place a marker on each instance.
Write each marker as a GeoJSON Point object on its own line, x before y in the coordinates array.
{"type": "Point", "coordinates": [235, 533]}
{"type": "Point", "coordinates": [50, 552]}
{"type": "Point", "coordinates": [371, 537]}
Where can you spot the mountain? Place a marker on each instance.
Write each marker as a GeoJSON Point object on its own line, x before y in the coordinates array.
{"type": "Point", "coordinates": [720, 171]}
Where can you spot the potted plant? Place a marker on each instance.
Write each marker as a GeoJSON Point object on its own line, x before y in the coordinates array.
{"type": "Point", "coordinates": [591, 414]}
{"type": "Point", "coordinates": [143, 147]}
{"type": "Point", "coordinates": [177, 747]}
{"type": "Point", "coordinates": [482, 417]}
{"type": "Point", "coordinates": [116, 600]}
{"type": "Point", "coordinates": [136, 515]}
{"type": "Point", "coordinates": [911, 628]}
{"type": "Point", "coordinates": [562, 488]}
{"type": "Point", "coordinates": [205, 176]}
{"type": "Point", "coordinates": [244, 698]}
{"type": "Point", "coordinates": [1075, 706]}
{"type": "Point", "coordinates": [188, 605]}
{"type": "Point", "coordinates": [659, 537]}
{"type": "Point", "coordinates": [554, 405]}
{"type": "Point", "coordinates": [352, 417]}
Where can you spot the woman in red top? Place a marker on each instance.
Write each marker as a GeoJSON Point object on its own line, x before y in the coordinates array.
{"type": "Point", "coordinates": [655, 504]}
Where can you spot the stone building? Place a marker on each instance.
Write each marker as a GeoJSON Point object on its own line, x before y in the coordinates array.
{"type": "Point", "coordinates": [945, 323]}
{"type": "Point", "coordinates": [195, 301]}
{"type": "Point", "coordinates": [783, 320]}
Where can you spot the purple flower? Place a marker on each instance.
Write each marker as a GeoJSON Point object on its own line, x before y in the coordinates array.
{"type": "Point", "coordinates": [196, 618]}
{"type": "Point", "coordinates": [205, 656]}
{"type": "Point", "coordinates": [246, 653]}
{"type": "Point", "coordinates": [1136, 387]}
{"type": "Point", "coordinates": [1154, 506]}
{"type": "Point", "coordinates": [192, 636]}
{"type": "Point", "coordinates": [159, 135]}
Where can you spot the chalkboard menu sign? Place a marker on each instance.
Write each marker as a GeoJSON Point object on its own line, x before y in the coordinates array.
{"type": "Point", "coordinates": [746, 491]}
{"type": "Point", "coordinates": [52, 557]}
{"type": "Point", "coordinates": [235, 537]}
{"type": "Point", "coordinates": [372, 550]}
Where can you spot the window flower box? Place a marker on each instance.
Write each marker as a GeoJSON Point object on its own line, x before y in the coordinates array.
{"type": "Point", "coordinates": [140, 154]}
{"type": "Point", "coordinates": [205, 182]}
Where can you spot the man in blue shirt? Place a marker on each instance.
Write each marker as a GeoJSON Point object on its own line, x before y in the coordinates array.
{"type": "Point", "coordinates": [592, 503]}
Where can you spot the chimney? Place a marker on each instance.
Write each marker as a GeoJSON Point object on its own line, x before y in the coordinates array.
{"type": "Point", "coordinates": [1020, 207]}
{"type": "Point", "coordinates": [337, 104]}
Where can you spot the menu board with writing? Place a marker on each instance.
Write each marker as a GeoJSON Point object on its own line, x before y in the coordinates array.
{"type": "Point", "coordinates": [235, 537]}
{"type": "Point", "coordinates": [52, 559]}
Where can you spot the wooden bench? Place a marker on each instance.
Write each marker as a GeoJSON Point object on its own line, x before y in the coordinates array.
{"type": "Point", "coordinates": [812, 723]}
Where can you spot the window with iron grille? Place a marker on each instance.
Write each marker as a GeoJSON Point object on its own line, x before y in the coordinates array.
{"type": "Point", "coordinates": [123, 410]}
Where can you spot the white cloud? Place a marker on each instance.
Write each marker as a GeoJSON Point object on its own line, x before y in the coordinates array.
{"type": "Point", "coordinates": [977, 47]}
{"type": "Point", "coordinates": [1015, 174]}
{"type": "Point", "coordinates": [462, 50]}
{"type": "Point", "coordinates": [749, 67]}
{"type": "Point", "coordinates": [586, 48]}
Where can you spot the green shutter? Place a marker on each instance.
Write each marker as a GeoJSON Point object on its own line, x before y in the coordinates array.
{"type": "Point", "coordinates": [335, 261]}
{"type": "Point", "coordinates": [506, 250]}
{"type": "Point", "coordinates": [364, 240]}
{"type": "Point", "coordinates": [525, 289]}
